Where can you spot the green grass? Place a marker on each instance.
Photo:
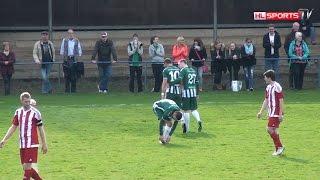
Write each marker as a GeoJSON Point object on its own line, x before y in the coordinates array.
{"type": "Point", "coordinates": [93, 136]}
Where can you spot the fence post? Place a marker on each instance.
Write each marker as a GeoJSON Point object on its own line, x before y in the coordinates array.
{"type": "Point", "coordinates": [59, 75]}
{"type": "Point", "coordinates": [145, 76]}
{"type": "Point", "coordinates": [318, 72]}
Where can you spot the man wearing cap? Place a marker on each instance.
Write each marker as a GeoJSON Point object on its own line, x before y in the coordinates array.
{"type": "Point", "coordinates": [104, 48]}
{"type": "Point", "coordinates": [44, 54]}
{"type": "Point", "coordinates": [70, 50]}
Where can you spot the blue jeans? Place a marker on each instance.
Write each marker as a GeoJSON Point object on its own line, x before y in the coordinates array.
{"type": "Point", "coordinates": [104, 75]}
{"type": "Point", "coordinates": [45, 73]}
{"type": "Point", "coordinates": [248, 72]}
{"type": "Point", "coordinates": [274, 65]}
{"type": "Point", "coordinates": [199, 71]}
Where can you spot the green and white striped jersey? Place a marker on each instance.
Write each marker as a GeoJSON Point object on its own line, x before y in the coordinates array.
{"type": "Point", "coordinates": [171, 73]}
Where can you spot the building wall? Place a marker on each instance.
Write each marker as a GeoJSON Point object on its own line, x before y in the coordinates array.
{"type": "Point", "coordinates": [141, 12]}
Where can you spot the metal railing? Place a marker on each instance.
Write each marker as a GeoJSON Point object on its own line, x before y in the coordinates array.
{"type": "Point", "coordinates": [313, 61]}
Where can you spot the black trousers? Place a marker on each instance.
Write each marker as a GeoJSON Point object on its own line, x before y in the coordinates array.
{"type": "Point", "coordinates": [233, 69]}
{"type": "Point", "coordinates": [216, 70]}
{"type": "Point", "coordinates": [135, 73]}
{"type": "Point", "coordinates": [7, 83]}
{"type": "Point", "coordinates": [157, 73]}
{"type": "Point", "coordinates": [291, 77]}
{"type": "Point", "coordinates": [298, 74]}
{"type": "Point", "coordinates": [70, 75]}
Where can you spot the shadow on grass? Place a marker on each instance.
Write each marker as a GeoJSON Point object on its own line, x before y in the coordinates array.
{"type": "Point", "coordinates": [296, 160]}
{"type": "Point", "coordinates": [175, 145]}
{"type": "Point", "coordinates": [196, 135]}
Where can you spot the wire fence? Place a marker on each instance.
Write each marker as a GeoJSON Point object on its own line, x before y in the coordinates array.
{"type": "Point", "coordinates": [122, 66]}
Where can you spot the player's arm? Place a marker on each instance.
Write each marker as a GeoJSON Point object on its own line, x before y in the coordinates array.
{"type": "Point", "coordinates": [281, 105]}
{"type": "Point", "coordinates": [173, 128]}
{"type": "Point", "coordinates": [263, 107]}
{"type": "Point", "coordinates": [9, 133]}
{"type": "Point", "coordinates": [43, 139]}
{"type": "Point", "coordinates": [164, 87]}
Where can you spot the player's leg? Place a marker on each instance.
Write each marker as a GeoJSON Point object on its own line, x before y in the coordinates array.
{"type": "Point", "coordinates": [195, 113]}
{"type": "Point", "coordinates": [272, 129]}
{"type": "Point", "coordinates": [29, 158]}
{"type": "Point", "coordinates": [167, 130]}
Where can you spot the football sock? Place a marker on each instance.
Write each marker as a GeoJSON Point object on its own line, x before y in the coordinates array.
{"type": "Point", "coordinates": [167, 130]}
{"type": "Point", "coordinates": [186, 120]}
{"type": "Point", "coordinates": [276, 140]}
{"type": "Point", "coordinates": [196, 115]}
{"type": "Point", "coordinates": [27, 174]}
{"type": "Point", "coordinates": [35, 175]}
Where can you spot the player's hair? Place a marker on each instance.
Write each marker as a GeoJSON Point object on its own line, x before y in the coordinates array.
{"type": "Point", "coordinates": [25, 95]}
{"type": "Point", "coordinates": [167, 61]}
{"type": "Point", "coordinates": [178, 115]}
{"type": "Point", "coordinates": [270, 74]}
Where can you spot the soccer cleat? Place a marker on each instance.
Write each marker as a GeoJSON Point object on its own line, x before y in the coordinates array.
{"type": "Point", "coordinates": [280, 150]}
{"type": "Point", "coordinates": [105, 91]}
{"type": "Point", "coordinates": [200, 126]}
{"type": "Point", "coordinates": [274, 153]}
{"type": "Point", "coordinates": [184, 128]}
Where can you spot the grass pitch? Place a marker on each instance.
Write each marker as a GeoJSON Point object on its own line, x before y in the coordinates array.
{"type": "Point", "coordinates": [114, 136]}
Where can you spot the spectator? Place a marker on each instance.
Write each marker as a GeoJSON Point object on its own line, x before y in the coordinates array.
{"type": "Point", "coordinates": [271, 45]}
{"type": "Point", "coordinates": [104, 48]}
{"type": "Point", "coordinates": [306, 26]}
{"type": "Point", "coordinates": [217, 63]}
{"type": "Point", "coordinates": [44, 54]}
{"type": "Point", "coordinates": [289, 38]}
{"type": "Point", "coordinates": [179, 51]}
{"type": "Point", "coordinates": [156, 53]}
{"type": "Point", "coordinates": [70, 50]}
{"type": "Point", "coordinates": [135, 51]}
{"type": "Point", "coordinates": [248, 52]}
{"type": "Point", "coordinates": [198, 55]}
{"type": "Point", "coordinates": [7, 59]}
{"type": "Point", "coordinates": [299, 54]}
{"type": "Point", "coordinates": [233, 61]}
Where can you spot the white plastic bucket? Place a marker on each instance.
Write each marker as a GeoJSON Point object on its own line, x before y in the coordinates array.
{"type": "Point", "coordinates": [236, 86]}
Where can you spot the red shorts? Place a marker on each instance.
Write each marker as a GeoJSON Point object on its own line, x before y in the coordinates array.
{"type": "Point", "coordinates": [274, 122]}
{"type": "Point", "coordinates": [29, 155]}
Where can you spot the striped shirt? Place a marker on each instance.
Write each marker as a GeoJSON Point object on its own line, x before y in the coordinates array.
{"type": "Point", "coordinates": [273, 95]}
{"type": "Point", "coordinates": [189, 93]}
{"type": "Point", "coordinates": [171, 73]}
{"type": "Point", "coordinates": [28, 121]}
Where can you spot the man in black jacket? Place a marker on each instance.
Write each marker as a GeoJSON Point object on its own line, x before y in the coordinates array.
{"type": "Point", "coordinates": [104, 48]}
{"type": "Point", "coordinates": [271, 45]}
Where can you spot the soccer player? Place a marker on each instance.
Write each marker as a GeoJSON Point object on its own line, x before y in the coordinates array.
{"type": "Point", "coordinates": [168, 113]}
{"type": "Point", "coordinates": [187, 77]}
{"type": "Point", "coordinates": [28, 120]}
{"type": "Point", "coordinates": [170, 73]}
{"type": "Point", "coordinates": [274, 102]}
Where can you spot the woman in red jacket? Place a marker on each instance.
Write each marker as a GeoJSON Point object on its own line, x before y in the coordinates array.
{"type": "Point", "coordinates": [7, 59]}
{"type": "Point", "coordinates": [179, 51]}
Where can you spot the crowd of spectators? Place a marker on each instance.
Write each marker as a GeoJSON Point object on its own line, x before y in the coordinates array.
{"type": "Point", "coordinates": [224, 59]}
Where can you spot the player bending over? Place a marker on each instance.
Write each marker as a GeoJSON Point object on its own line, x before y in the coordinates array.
{"type": "Point", "coordinates": [28, 120]}
{"type": "Point", "coordinates": [168, 113]}
{"type": "Point", "coordinates": [274, 102]}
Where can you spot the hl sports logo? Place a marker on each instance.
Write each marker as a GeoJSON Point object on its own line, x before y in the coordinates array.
{"type": "Point", "coordinates": [282, 16]}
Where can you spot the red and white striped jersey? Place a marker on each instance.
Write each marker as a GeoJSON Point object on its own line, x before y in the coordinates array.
{"type": "Point", "coordinates": [273, 95]}
{"type": "Point", "coordinates": [27, 121]}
